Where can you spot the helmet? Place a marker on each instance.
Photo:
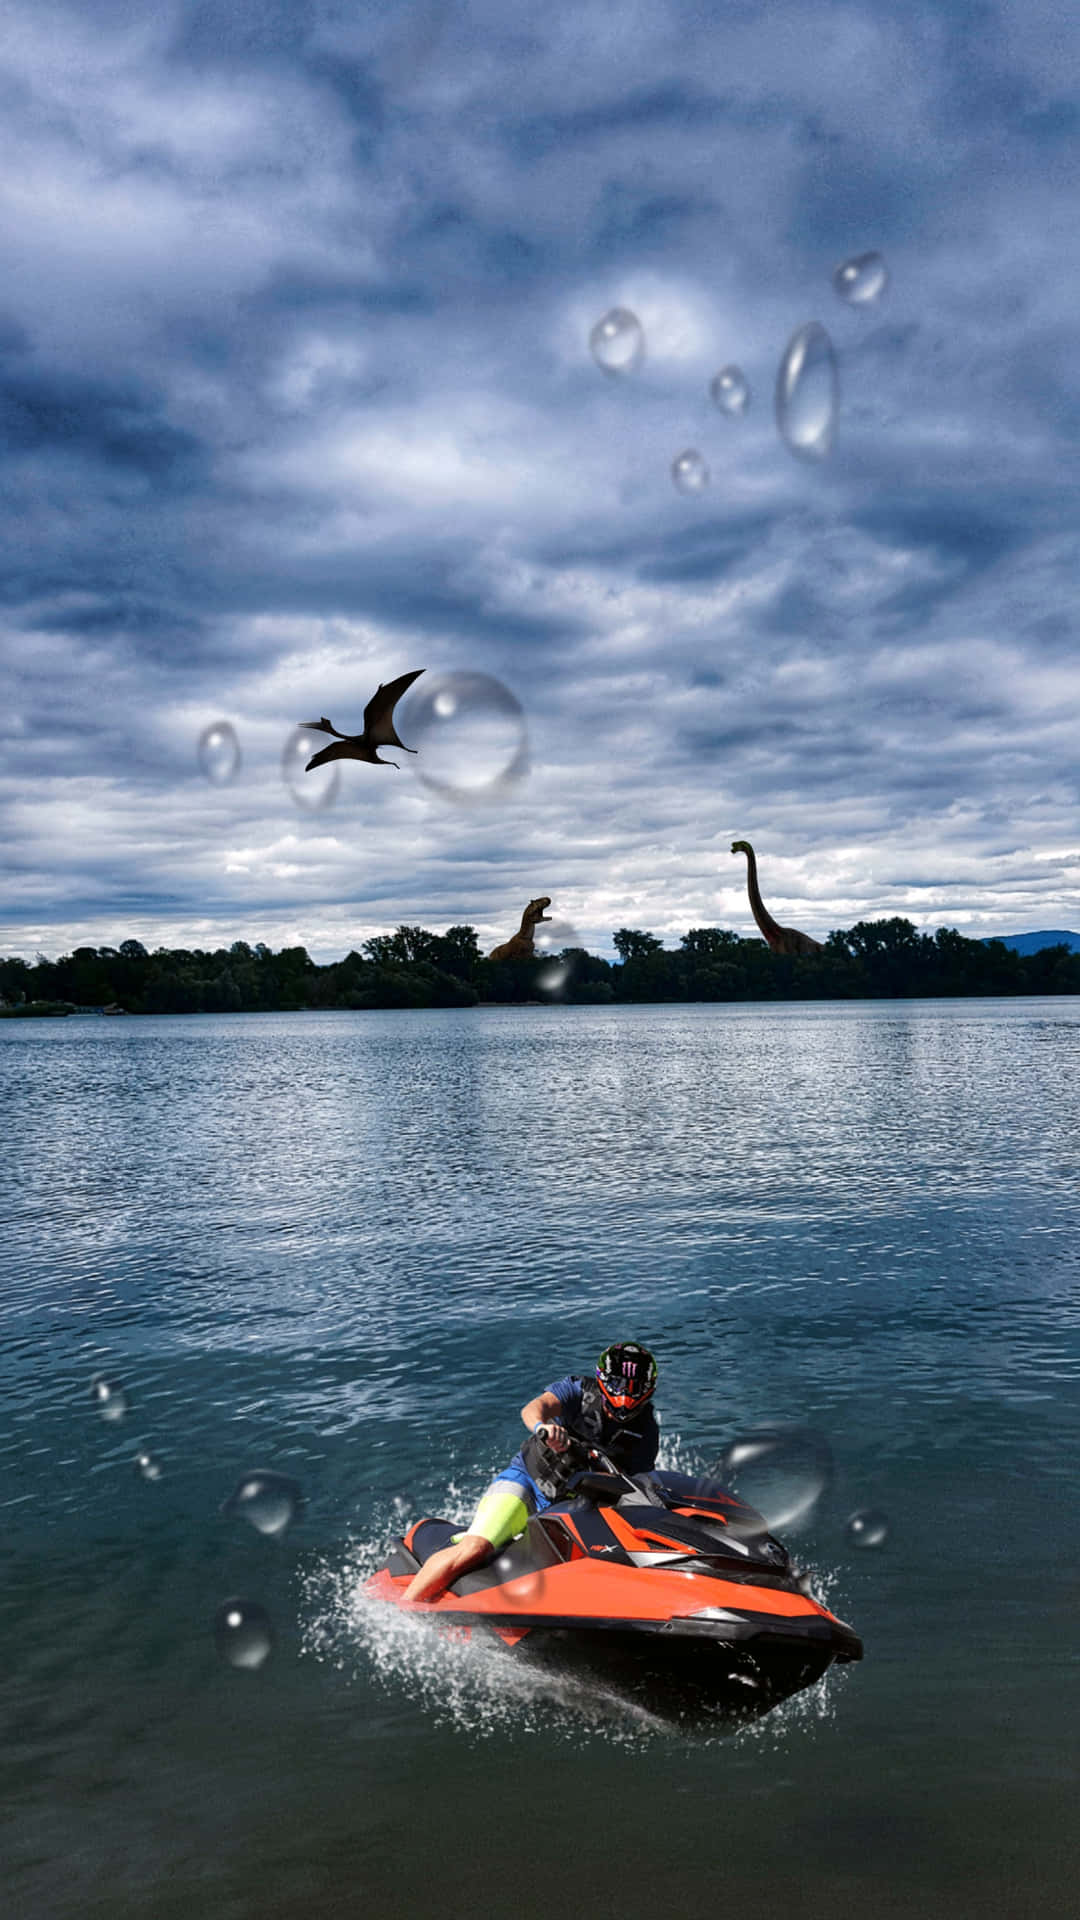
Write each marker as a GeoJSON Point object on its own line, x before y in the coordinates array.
{"type": "Point", "coordinates": [626, 1374]}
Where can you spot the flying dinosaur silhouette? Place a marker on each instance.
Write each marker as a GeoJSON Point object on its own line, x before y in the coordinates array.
{"type": "Point", "coordinates": [378, 728]}
{"type": "Point", "coordinates": [780, 939]}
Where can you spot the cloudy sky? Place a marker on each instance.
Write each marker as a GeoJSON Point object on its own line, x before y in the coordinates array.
{"type": "Point", "coordinates": [296, 395]}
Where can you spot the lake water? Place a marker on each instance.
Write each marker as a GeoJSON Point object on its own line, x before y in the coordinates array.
{"type": "Point", "coordinates": [348, 1247]}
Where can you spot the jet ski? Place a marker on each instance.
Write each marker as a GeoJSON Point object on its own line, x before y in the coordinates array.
{"type": "Point", "coordinates": [666, 1584]}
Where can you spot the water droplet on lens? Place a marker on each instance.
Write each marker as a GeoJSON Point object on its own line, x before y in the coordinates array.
{"type": "Point", "coordinates": [219, 752]}
{"type": "Point", "coordinates": [782, 1471]}
{"type": "Point", "coordinates": [243, 1633]}
{"type": "Point", "coordinates": [689, 472]}
{"type": "Point", "coordinates": [401, 1507]}
{"type": "Point", "coordinates": [470, 737]}
{"type": "Point", "coordinates": [315, 790]}
{"type": "Point", "coordinates": [556, 968]}
{"type": "Point", "coordinates": [861, 279]}
{"type": "Point", "coordinates": [270, 1501]}
{"type": "Point", "coordinates": [730, 390]}
{"type": "Point", "coordinates": [148, 1466]}
{"type": "Point", "coordinates": [869, 1528]}
{"type": "Point", "coordinates": [618, 341]}
{"type": "Point", "coordinates": [108, 1397]}
{"type": "Point", "coordinates": [807, 392]}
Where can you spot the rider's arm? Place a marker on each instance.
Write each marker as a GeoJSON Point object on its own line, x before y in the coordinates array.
{"type": "Point", "coordinates": [546, 1407]}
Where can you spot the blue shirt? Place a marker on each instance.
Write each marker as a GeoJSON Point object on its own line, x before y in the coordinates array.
{"type": "Point", "coordinates": [567, 1392]}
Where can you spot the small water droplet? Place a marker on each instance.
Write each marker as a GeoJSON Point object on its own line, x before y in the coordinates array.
{"type": "Point", "coordinates": [219, 752]}
{"type": "Point", "coordinates": [618, 341]}
{"type": "Point", "coordinates": [147, 1466]}
{"type": "Point", "coordinates": [807, 393]}
{"type": "Point", "coordinates": [861, 279]}
{"type": "Point", "coordinates": [470, 737]}
{"type": "Point", "coordinates": [108, 1397]}
{"type": "Point", "coordinates": [730, 391]}
{"type": "Point", "coordinates": [315, 790]}
{"type": "Point", "coordinates": [868, 1528]}
{"type": "Point", "coordinates": [556, 969]}
{"type": "Point", "coordinates": [782, 1471]}
{"type": "Point", "coordinates": [401, 1506]}
{"type": "Point", "coordinates": [243, 1633]}
{"type": "Point", "coordinates": [270, 1501]}
{"type": "Point", "coordinates": [689, 472]}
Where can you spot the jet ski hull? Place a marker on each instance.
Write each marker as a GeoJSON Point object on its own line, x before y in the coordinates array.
{"type": "Point", "coordinates": [693, 1610]}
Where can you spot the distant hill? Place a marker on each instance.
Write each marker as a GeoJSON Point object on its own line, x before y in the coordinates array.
{"type": "Point", "coordinates": [1034, 942]}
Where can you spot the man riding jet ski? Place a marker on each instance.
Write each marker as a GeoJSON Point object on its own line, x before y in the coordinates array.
{"type": "Point", "coordinates": [611, 1411]}
{"type": "Point", "coordinates": [666, 1582]}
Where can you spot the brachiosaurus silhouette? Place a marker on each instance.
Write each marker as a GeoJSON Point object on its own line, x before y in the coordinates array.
{"type": "Point", "coordinates": [520, 944]}
{"type": "Point", "coordinates": [780, 939]}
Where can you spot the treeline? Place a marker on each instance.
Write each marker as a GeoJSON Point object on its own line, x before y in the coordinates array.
{"type": "Point", "coordinates": [413, 968]}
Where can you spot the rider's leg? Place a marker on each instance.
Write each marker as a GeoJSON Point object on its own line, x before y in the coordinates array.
{"type": "Point", "coordinates": [503, 1513]}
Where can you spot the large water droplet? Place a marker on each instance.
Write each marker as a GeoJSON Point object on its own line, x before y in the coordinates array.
{"type": "Point", "coordinates": [270, 1501]}
{"type": "Point", "coordinates": [147, 1466]}
{"type": "Point", "coordinates": [108, 1397]}
{"type": "Point", "coordinates": [782, 1471]}
{"type": "Point", "coordinates": [315, 790]}
{"type": "Point", "coordinates": [807, 393]}
{"type": "Point", "coordinates": [470, 737]}
{"type": "Point", "coordinates": [730, 391]}
{"type": "Point", "coordinates": [868, 1528]}
{"type": "Point", "coordinates": [243, 1633]}
{"type": "Point", "coordinates": [618, 341]}
{"type": "Point", "coordinates": [689, 472]}
{"type": "Point", "coordinates": [556, 967]}
{"type": "Point", "coordinates": [219, 752]}
{"type": "Point", "coordinates": [861, 279]}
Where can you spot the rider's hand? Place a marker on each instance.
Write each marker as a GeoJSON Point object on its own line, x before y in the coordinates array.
{"type": "Point", "coordinates": [553, 1434]}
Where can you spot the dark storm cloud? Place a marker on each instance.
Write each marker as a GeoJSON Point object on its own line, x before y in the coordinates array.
{"type": "Point", "coordinates": [295, 393]}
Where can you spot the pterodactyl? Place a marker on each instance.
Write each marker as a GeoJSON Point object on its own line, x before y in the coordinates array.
{"type": "Point", "coordinates": [378, 728]}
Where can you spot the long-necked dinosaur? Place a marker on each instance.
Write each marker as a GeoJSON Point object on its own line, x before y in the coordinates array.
{"type": "Point", "coordinates": [780, 939]}
{"type": "Point", "coordinates": [520, 944]}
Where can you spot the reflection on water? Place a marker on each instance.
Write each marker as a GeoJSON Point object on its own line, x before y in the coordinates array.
{"type": "Point", "coordinates": [343, 1250]}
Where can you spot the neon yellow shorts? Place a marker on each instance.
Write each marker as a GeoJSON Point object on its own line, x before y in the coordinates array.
{"type": "Point", "coordinates": [503, 1513]}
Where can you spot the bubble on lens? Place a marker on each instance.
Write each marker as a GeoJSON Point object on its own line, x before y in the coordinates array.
{"type": "Point", "coordinates": [730, 391]}
{"type": "Point", "coordinates": [243, 1633]}
{"type": "Point", "coordinates": [782, 1471]}
{"type": "Point", "coordinates": [470, 737]}
{"type": "Point", "coordinates": [618, 341]}
{"type": "Point", "coordinates": [270, 1502]}
{"type": "Point", "coordinates": [556, 945]}
{"type": "Point", "coordinates": [108, 1397]}
{"type": "Point", "coordinates": [807, 393]}
{"type": "Point", "coordinates": [315, 790]}
{"type": "Point", "coordinates": [219, 753]}
{"type": "Point", "coordinates": [867, 1528]}
{"type": "Point", "coordinates": [147, 1466]}
{"type": "Point", "coordinates": [689, 472]}
{"type": "Point", "coordinates": [861, 279]}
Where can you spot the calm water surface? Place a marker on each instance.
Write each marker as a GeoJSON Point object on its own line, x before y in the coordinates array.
{"type": "Point", "coordinates": [349, 1247]}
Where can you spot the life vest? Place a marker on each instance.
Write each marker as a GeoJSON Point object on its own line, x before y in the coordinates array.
{"type": "Point", "coordinates": [624, 1443]}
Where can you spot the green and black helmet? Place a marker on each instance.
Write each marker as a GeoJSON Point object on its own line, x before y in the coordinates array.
{"type": "Point", "coordinates": [626, 1374]}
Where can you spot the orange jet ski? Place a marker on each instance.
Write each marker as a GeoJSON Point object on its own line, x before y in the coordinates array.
{"type": "Point", "coordinates": [666, 1584]}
